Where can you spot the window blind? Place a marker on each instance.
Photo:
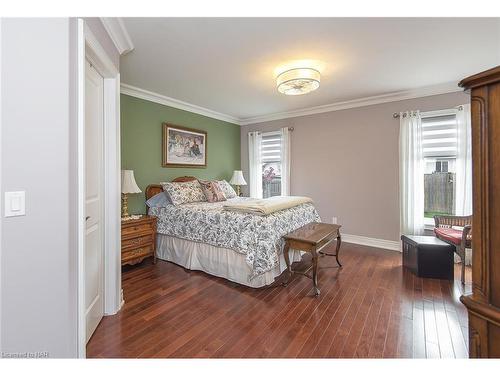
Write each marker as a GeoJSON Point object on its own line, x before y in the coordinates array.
{"type": "Point", "coordinates": [439, 136]}
{"type": "Point", "coordinates": [271, 147]}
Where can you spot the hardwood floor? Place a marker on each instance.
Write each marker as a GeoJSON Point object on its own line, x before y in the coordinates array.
{"type": "Point", "coordinates": [369, 308]}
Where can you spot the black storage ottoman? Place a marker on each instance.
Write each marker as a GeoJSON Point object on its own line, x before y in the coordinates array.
{"type": "Point", "coordinates": [428, 256]}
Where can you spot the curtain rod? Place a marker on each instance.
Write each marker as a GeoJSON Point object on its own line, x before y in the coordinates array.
{"type": "Point", "coordinates": [397, 115]}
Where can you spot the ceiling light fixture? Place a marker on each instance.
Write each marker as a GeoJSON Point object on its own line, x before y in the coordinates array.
{"type": "Point", "coordinates": [298, 81]}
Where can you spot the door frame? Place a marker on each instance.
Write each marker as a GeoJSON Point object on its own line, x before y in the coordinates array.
{"type": "Point", "coordinates": [90, 49]}
{"type": "Point", "coordinates": [1, 208]}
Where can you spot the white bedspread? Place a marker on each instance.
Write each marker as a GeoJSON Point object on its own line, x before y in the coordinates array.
{"type": "Point", "coordinates": [266, 206]}
{"type": "Point", "coordinates": [258, 237]}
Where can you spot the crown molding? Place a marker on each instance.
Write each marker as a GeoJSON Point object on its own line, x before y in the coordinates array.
{"type": "Point", "coordinates": [355, 103]}
{"type": "Point", "coordinates": [118, 34]}
{"type": "Point", "coordinates": [179, 104]}
{"type": "Point", "coordinates": [361, 102]}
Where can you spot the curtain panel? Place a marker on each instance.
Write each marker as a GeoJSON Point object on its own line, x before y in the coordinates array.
{"type": "Point", "coordinates": [255, 164]}
{"type": "Point", "coordinates": [463, 194]}
{"type": "Point", "coordinates": [285, 161]}
{"type": "Point", "coordinates": [411, 174]}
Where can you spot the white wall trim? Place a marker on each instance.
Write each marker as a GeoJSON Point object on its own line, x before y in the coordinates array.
{"type": "Point", "coordinates": [97, 55]}
{"type": "Point", "coordinates": [118, 34]}
{"type": "Point", "coordinates": [175, 103]}
{"type": "Point", "coordinates": [90, 48]}
{"type": "Point", "coordinates": [1, 186]}
{"type": "Point", "coordinates": [81, 344]}
{"type": "Point", "coordinates": [361, 102]}
{"type": "Point", "coordinates": [338, 106]}
{"type": "Point", "coordinates": [373, 242]}
{"type": "Point", "coordinates": [112, 197]}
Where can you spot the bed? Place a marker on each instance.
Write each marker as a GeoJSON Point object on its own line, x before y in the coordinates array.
{"type": "Point", "coordinates": [241, 247]}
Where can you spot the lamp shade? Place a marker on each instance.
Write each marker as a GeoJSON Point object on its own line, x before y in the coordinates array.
{"type": "Point", "coordinates": [237, 178]}
{"type": "Point", "coordinates": [129, 185]}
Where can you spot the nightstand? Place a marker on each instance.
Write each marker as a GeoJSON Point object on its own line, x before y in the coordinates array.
{"type": "Point", "coordinates": [138, 239]}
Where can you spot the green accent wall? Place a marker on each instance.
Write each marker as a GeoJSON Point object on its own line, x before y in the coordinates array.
{"type": "Point", "coordinates": [141, 132]}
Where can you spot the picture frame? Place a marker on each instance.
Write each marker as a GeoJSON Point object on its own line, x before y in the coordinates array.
{"type": "Point", "coordinates": [183, 147]}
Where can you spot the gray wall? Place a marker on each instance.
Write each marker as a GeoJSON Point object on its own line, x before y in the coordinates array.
{"type": "Point", "coordinates": [38, 286]}
{"type": "Point", "coordinates": [347, 161]}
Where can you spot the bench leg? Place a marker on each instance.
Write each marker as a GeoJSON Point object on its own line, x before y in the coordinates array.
{"type": "Point", "coordinates": [286, 251]}
{"type": "Point", "coordinates": [336, 255]}
{"type": "Point", "coordinates": [461, 254]}
{"type": "Point", "coordinates": [339, 241]}
{"type": "Point", "coordinates": [315, 272]}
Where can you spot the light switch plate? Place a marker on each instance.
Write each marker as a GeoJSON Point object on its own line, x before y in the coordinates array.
{"type": "Point", "coordinates": [14, 203]}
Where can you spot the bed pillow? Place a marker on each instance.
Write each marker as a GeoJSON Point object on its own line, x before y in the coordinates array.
{"type": "Point", "coordinates": [227, 189]}
{"type": "Point", "coordinates": [158, 200]}
{"type": "Point", "coordinates": [184, 192]}
{"type": "Point", "coordinates": [212, 191]}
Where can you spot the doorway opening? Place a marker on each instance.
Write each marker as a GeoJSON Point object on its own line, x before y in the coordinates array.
{"type": "Point", "coordinates": [99, 271]}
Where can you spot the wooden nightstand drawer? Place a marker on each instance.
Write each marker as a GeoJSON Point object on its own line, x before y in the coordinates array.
{"type": "Point", "coordinates": [137, 254]}
{"type": "Point", "coordinates": [137, 229]}
{"type": "Point", "coordinates": [138, 239]}
{"type": "Point", "coordinates": [134, 242]}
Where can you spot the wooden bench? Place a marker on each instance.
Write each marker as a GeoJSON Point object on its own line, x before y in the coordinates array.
{"type": "Point", "coordinates": [312, 237]}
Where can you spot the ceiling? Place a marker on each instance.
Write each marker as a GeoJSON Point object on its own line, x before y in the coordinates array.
{"type": "Point", "coordinates": [228, 65]}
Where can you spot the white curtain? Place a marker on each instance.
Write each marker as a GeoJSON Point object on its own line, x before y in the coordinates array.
{"type": "Point", "coordinates": [285, 161]}
{"type": "Point", "coordinates": [411, 174]}
{"type": "Point", "coordinates": [463, 193]}
{"type": "Point", "coordinates": [255, 164]}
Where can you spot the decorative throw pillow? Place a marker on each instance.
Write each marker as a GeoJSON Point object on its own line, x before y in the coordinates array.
{"type": "Point", "coordinates": [184, 192]}
{"type": "Point", "coordinates": [227, 189]}
{"type": "Point", "coordinates": [212, 191]}
{"type": "Point", "coordinates": [158, 200]}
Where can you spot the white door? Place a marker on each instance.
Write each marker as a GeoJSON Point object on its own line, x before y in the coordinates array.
{"type": "Point", "coordinates": [94, 254]}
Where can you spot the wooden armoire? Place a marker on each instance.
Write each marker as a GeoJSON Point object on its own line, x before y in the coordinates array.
{"type": "Point", "coordinates": [483, 304]}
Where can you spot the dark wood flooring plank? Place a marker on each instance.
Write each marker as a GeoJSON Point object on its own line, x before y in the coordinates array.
{"type": "Point", "coordinates": [367, 336]}
{"type": "Point", "coordinates": [419, 344]}
{"type": "Point", "coordinates": [369, 308]}
{"type": "Point", "coordinates": [310, 322]}
{"type": "Point", "coordinates": [354, 295]}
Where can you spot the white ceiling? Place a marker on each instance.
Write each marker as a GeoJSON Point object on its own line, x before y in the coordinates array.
{"type": "Point", "coordinates": [228, 64]}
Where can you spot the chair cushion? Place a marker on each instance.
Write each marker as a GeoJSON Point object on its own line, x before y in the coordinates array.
{"type": "Point", "coordinates": [449, 235]}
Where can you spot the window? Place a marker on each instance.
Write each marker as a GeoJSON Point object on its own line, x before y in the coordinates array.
{"type": "Point", "coordinates": [271, 164]}
{"type": "Point", "coordinates": [442, 166]}
{"type": "Point", "coordinates": [439, 140]}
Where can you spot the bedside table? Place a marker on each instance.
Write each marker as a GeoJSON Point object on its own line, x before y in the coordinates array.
{"type": "Point", "coordinates": [138, 239]}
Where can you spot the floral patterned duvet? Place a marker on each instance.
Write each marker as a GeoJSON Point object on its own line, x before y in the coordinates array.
{"type": "Point", "coordinates": [258, 237]}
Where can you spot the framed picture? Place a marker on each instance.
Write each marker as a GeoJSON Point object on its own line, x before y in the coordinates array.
{"type": "Point", "coordinates": [183, 147]}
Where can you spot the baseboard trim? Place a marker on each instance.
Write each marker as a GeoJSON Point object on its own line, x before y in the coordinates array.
{"type": "Point", "coordinates": [373, 242]}
{"type": "Point", "coordinates": [122, 300]}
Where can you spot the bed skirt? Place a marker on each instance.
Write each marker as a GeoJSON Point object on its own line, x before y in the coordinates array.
{"type": "Point", "coordinates": [216, 261]}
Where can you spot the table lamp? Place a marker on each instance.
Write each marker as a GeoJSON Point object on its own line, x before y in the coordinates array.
{"type": "Point", "coordinates": [238, 180]}
{"type": "Point", "coordinates": [129, 186]}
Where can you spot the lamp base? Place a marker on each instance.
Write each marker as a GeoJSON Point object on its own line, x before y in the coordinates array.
{"type": "Point", "coordinates": [238, 190]}
{"type": "Point", "coordinates": [125, 206]}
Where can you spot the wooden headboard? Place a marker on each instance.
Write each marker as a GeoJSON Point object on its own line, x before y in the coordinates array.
{"type": "Point", "coordinates": [154, 189]}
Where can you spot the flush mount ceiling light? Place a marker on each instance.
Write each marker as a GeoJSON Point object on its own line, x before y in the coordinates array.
{"type": "Point", "coordinates": [298, 81]}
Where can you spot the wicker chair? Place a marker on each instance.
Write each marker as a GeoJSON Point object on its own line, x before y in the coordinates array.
{"type": "Point", "coordinates": [461, 239]}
